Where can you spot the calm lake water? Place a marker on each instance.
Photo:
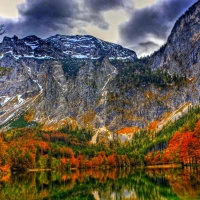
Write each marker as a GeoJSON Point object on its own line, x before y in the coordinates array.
{"type": "Point", "coordinates": [111, 184]}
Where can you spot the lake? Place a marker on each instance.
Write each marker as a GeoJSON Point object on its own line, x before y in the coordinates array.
{"type": "Point", "coordinates": [124, 183]}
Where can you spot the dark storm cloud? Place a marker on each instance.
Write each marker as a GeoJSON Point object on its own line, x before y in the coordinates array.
{"type": "Point", "coordinates": [153, 21]}
{"type": "Point", "coordinates": [42, 17]}
{"type": "Point", "coordinates": [48, 17]}
{"type": "Point", "coordinates": [60, 12]}
{"type": "Point", "coordinates": [104, 5]}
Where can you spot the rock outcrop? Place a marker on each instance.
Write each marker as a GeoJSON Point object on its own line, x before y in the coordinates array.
{"type": "Point", "coordinates": [182, 49]}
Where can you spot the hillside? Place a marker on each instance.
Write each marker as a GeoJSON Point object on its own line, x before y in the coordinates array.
{"type": "Point", "coordinates": [80, 91]}
{"type": "Point", "coordinates": [32, 148]}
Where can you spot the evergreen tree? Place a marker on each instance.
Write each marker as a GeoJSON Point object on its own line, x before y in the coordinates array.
{"type": "Point", "coordinates": [49, 160]}
{"type": "Point", "coordinates": [37, 155]}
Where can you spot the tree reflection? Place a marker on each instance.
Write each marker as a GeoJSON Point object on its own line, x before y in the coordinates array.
{"type": "Point", "coordinates": [117, 183]}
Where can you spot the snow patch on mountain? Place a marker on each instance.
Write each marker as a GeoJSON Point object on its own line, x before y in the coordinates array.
{"type": "Point", "coordinates": [62, 47]}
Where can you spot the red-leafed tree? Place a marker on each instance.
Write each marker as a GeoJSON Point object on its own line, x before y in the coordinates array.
{"type": "Point", "coordinates": [197, 130]}
{"type": "Point", "coordinates": [67, 152]}
{"type": "Point", "coordinates": [157, 158]}
{"type": "Point", "coordinates": [188, 148]}
{"type": "Point", "coordinates": [197, 136]}
{"type": "Point", "coordinates": [95, 161]}
{"type": "Point", "coordinates": [149, 158]}
{"type": "Point", "coordinates": [174, 148]}
{"type": "Point", "coordinates": [44, 147]}
{"type": "Point", "coordinates": [74, 162]}
{"type": "Point", "coordinates": [88, 164]}
{"type": "Point", "coordinates": [165, 158]}
{"type": "Point", "coordinates": [112, 161]}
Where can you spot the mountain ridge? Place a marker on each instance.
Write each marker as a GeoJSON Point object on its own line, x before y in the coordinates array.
{"type": "Point", "coordinates": [63, 47]}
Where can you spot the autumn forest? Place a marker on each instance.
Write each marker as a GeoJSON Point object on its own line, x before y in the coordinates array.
{"type": "Point", "coordinates": [28, 147]}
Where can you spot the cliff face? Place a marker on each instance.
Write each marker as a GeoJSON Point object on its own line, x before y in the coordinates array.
{"type": "Point", "coordinates": [75, 79]}
{"type": "Point", "coordinates": [181, 51]}
{"type": "Point", "coordinates": [62, 78]}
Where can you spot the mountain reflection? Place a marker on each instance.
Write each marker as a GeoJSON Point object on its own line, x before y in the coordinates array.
{"type": "Point", "coordinates": [121, 183]}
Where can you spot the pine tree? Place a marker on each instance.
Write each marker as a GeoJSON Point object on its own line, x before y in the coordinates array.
{"type": "Point", "coordinates": [37, 155]}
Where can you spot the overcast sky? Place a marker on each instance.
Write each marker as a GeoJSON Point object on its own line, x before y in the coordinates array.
{"type": "Point", "coordinates": [142, 25]}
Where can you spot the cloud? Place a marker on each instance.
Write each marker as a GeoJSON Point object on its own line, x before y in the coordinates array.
{"type": "Point", "coordinates": [48, 17]}
{"type": "Point", "coordinates": [146, 27]}
{"type": "Point", "coordinates": [152, 23]}
{"type": "Point", "coordinates": [144, 48]}
{"type": "Point", "coordinates": [105, 5]}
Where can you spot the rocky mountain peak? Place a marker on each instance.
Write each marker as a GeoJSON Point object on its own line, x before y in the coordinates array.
{"type": "Point", "coordinates": [62, 47]}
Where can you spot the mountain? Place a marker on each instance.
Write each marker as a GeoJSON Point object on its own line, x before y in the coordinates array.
{"type": "Point", "coordinates": [63, 47]}
{"type": "Point", "coordinates": [87, 82]}
{"type": "Point", "coordinates": [180, 54]}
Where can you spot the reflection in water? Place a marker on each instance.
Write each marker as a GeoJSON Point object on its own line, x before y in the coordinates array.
{"type": "Point", "coordinates": [114, 184]}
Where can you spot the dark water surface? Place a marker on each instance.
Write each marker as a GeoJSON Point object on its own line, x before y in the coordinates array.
{"type": "Point", "coordinates": [113, 184]}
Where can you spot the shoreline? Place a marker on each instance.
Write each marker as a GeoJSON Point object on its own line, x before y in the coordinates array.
{"type": "Point", "coordinates": [39, 170]}
{"type": "Point", "coordinates": [165, 166]}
